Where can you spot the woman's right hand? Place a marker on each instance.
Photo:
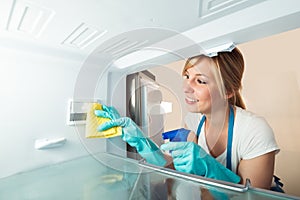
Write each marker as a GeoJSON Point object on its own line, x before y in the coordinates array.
{"type": "Point", "coordinates": [108, 112]}
{"type": "Point", "coordinates": [132, 134]}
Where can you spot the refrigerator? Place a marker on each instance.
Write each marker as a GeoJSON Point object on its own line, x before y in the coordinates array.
{"type": "Point", "coordinates": [143, 106]}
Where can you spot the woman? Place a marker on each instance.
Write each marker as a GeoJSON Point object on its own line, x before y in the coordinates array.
{"type": "Point", "coordinates": [212, 88]}
{"type": "Point", "coordinates": [222, 133]}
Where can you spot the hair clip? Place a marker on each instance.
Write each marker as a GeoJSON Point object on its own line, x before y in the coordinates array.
{"type": "Point", "coordinates": [228, 47]}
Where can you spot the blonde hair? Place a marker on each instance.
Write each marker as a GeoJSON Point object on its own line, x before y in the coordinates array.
{"type": "Point", "coordinates": [228, 71]}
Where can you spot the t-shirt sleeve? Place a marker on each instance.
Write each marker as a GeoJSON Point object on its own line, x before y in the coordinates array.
{"type": "Point", "coordinates": [259, 139]}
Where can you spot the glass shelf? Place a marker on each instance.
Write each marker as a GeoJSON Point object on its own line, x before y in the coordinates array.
{"type": "Point", "coordinates": [106, 176]}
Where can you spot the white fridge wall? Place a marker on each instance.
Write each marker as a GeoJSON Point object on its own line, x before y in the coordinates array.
{"type": "Point", "coordinates": [35, 90]}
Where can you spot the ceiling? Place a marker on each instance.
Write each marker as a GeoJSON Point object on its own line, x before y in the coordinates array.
{"type": "Point", "coordinates": [119, 28]}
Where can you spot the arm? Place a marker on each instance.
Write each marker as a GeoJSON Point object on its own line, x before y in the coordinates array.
{"type": "Point", "coordinates": [131, 134]}
{"type": "Point", "coordinates": [261, 178]}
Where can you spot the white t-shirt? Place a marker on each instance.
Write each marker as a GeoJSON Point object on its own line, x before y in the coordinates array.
{"type": "Point", "coordinates": [252, 136]}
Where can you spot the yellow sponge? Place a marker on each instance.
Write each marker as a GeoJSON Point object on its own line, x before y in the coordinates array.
{"type": "Point", "coordinates": [92, 122]}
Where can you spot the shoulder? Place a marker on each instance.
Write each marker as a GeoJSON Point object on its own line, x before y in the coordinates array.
{"type": "Point", "coordinates": [251, 120]}
{"type": "Point", "coordinates": [254, 135]}
{"type": "Point", "coordinates": [192, 120]}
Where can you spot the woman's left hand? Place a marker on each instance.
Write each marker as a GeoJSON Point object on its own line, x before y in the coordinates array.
{"type": "Point", "coordinates": [191, 158]}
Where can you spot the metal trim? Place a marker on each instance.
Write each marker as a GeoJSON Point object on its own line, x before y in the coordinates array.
{"type": "Point", "coordinates": [198, 179]}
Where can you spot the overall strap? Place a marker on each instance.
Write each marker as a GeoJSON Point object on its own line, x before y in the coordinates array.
{"type": "Point", "coordinates": [200, 125]}
{"type": "Point", "coordinates": [229, 139]}
{"type": "Point", "coordinates": [230, 135]}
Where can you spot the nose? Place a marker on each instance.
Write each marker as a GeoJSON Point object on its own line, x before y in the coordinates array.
{"type": "Point", "coordinates": [187, 86]}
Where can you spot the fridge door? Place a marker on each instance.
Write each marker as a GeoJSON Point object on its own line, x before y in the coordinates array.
{"type": "Point", "coordinates": [143, 99]}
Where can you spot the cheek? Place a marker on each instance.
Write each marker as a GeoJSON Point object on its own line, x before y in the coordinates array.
{"type": "Point", "coordinates": [215, 95]}
{"type": "Point", "coordinates": [203, 94]}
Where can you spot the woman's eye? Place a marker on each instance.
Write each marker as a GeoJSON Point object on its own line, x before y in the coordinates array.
{"type": "Point", "coordinates": [186, 76]}
{"type": "Point", "coordinates": [201, 82]}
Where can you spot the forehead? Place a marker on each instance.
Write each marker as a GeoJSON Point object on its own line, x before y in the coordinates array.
{"type": "Point", "coordinates": [201, 65]}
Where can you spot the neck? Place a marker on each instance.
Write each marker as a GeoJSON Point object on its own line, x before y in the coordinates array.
{"type": "Point", "coordinates": [217, 119]}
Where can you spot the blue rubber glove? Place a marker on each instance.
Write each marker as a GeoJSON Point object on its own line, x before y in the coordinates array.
{"type": "Point", "coordinates": [191, 158]}
{"type": "Point", "coordinates": [133, 135]}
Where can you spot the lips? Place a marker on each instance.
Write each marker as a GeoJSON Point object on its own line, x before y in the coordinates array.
{"type": "Point", "coordinates": [189, 100]}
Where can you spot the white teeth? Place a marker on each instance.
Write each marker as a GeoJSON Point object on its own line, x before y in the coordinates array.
{"type": "Point", "coordinates": [191, 100]}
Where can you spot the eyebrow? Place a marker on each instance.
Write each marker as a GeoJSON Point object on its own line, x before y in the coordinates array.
{"type": "Point", "coordinates": [199, 74]}
{"type": "Point", "coordinates": [202, 75]}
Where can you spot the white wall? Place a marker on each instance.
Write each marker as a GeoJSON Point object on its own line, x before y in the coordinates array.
{"type": "Point", "coordinates": [272, 89]}
{"type": "Point", "coordinates": [34, 92]}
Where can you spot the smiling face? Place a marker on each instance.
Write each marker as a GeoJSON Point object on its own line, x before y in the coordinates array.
{"type": "Point", "coordinates": [201, 88]}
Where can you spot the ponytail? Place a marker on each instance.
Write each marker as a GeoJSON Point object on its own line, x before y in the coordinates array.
{"type": "Point", "coordinates": [237, 100]}
{"type": "Point", "coordinates": [231, 69]}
